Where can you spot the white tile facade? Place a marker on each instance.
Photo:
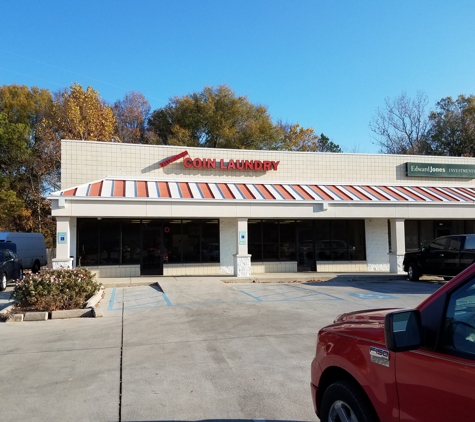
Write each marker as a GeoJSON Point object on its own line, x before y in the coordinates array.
{"type": "Point", "coordinates": [228, 242]}
{"type": "Point", "coordinates": [377, 245]}
{"type": "Point", "coordinates": [84, 162]}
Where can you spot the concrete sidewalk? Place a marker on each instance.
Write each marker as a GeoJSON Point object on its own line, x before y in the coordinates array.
{"type": "Point", "coordinates": [255, 278]}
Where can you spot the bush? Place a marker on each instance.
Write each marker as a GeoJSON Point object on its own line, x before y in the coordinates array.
{"type": "Point", "coordinates": [52, 290]}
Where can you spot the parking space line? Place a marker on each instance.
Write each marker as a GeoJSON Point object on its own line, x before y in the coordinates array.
{"type": "Point", "coordinates": [254, 297]}
{"type": "Point", "coordinates": [139, 298]}
{"type": "Point", "coordinates": [112, 299]}
{"type": "Point", "coordinates": [272, 293]}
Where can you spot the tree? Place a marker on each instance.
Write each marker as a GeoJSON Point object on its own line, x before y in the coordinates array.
{"type": "Point", "coordinates": [132, 114]}
{"type": "Point", "coordinates": [217, 118]}
{"type": "Point", "coordinates": [214, 118]}
{"type": "Point", "coordinates": [13, 214]}
{"type": "Point", "coordinates": [297, 138]}
{"type": "Point", "coordinates": [401, 127]}
{"type": "Point", "coordinates": [79, 114]}
{"type": "Point", "coordinates": [328, 146]}
{"type": "Point", "coordinates": [453, 126]}
{"type": "Point", "coordinates": [24, 162]}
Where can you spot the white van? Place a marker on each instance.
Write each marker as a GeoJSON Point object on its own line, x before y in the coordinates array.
{"type": "Point", "coordinates": [30, 247]}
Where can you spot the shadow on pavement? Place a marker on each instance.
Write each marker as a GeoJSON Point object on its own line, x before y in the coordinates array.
{"type": "Point", "coordinates": [5, 299]}
{"type": "Point", "coordinates": [382, 285]}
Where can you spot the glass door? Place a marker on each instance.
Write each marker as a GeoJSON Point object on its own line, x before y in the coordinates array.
{"type": "Point", "coordinates": [305, 246]}
{"type": "Point", "coordinates": [151, 262]}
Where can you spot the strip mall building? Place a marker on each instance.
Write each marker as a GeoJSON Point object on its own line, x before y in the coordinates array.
{"type": "Point", "coordinates": [127, 210]}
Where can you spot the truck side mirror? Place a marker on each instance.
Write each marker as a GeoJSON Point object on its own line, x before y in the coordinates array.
{"type": "Point", "coordinates": [402, 330]}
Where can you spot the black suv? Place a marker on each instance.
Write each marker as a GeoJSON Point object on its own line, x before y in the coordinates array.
{"type": "Point", "coordinates": [445, 256]}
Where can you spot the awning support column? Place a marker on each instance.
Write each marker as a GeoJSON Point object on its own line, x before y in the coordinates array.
{"type": "Point", "coordinates": [242, 260]}
{"type": "Point", "coordinates": [63, 243]}
{"type": "Point", "coordinates": [398, 247]}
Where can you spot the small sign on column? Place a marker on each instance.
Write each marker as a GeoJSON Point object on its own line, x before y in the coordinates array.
{"type": "Point", "coordinates": [62, 238]}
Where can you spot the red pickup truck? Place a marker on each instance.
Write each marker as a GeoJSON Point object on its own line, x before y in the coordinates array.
{"type": "Point", "coordinates": [400, 365]}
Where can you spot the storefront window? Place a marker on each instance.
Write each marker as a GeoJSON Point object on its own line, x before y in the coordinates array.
{"type": "Point", "coordinates": [411, 230]}
{"type": "Point", "coordinates": [116, 241]}
{"type": "Point", "coordinates": [421, 232]}
{"type": "Point", "coordinates": [287, 240]}
{"type": "Point", "coordinates": [88, 241]}
{"type": "Point", "coordinates": [191, 240]}
{"type": "Point", "coordinates": [109, 241]}
{"type": "Point", "coordinates": [131, 242]}
{"type": "Point", "coordinates": [276, 240]}
{"type": "Point", "coordinates": [254, 230]}
{"type": "Point", "coordinates": [338, 240]}
{"type": "Point", "coordinates": [172, 241]}
{"type": "Point", "coordinates": [356, 240]}
{"type": "Point", "coordinates": [426, 232]}
{"type": "Point", "coordinates": [469, 227]}
{"type": "Point", "coordinates": [210, 241]}
{"type": "Point", "coordinates": [270, 240]}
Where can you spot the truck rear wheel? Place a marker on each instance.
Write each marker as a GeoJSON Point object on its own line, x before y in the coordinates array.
{"type": "Point", "coordinates": [36, 267]}
{"type": "Point", "coordinates": [345, 401]}
{"type": "Point", "coordinates": [413, 272]}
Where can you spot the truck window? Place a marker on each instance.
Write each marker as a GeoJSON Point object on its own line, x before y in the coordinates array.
{"type": "Point", "coordinates": [469, 243]}
{"type": "Point", "coordinates": [437, 244]}
{"type": "Point", "coordinates": [459, 329]}
{"type": "Point", "coordinates": [454, 244]}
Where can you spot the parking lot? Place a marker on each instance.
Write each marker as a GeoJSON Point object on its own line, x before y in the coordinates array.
{"type": "Point", "coordinates": [184, 350]}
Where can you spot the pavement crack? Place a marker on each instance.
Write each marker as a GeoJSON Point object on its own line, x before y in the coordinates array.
{"type": "Point", "coordinates": [121, 360]}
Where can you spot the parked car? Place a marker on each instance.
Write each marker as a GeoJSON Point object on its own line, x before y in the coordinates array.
{"type": "Point", "coordinates": [400, 365]}
{"type": "Point", "coordinates": [445, 256]}
{"type": "Point", "coordinates": [10, 267]}
{"type": "Point", "coordinates": [30, 247]}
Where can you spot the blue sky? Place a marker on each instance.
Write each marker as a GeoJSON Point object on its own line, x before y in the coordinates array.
{"type": "Point", "coordinates": [328, 64]}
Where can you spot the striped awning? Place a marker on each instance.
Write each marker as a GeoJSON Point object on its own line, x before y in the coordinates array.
{"type": "Point", "coordinates": [117, 188]}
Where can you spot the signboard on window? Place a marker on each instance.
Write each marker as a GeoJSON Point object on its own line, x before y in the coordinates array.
{"type": "Point", "coordinates": [440, 170]}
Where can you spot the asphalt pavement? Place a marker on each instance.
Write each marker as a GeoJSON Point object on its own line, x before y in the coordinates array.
{"type": "Point", "coordinates": [185, 349]}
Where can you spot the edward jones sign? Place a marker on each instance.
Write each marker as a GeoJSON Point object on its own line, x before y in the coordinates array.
{"type": "Point", "coordinates": [213, 163]}
{"type": "Point", "coordinates": [440, 170]}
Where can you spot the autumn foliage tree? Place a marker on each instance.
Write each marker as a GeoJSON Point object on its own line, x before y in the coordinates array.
{"type": "Point", "coordinates": [132, 113]}
{"type": "Point", "coordinates": [213, 118]}
{"type": "Point", "coordinates": [33, 122]}
{"type": "Point", "coordinates": [79, 114]}
{"type": "Point", "coordinates": [297, 138]}
{"type": "Point", "coordinates": [218, 118]}
{"type": "Point", "coordinates": [23, 162]}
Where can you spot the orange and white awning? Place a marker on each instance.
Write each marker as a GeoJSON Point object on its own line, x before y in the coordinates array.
{"type": "Point", "coordinates": [117, 188]}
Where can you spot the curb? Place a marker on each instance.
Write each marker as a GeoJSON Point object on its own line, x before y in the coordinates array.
{"type": "Point", "coordinates": [89, 310]}
{"type": "Point", "coordinates": [8, 308]}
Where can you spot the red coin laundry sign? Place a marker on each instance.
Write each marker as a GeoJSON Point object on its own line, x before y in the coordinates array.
{"type": "Point", "coordinates": [220, 164]}
{"type": "Point", "coordinates": [213, 163]}
{"type": "Point", "coordinates": [173, 159]}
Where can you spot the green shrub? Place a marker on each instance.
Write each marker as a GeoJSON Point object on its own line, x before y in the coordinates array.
{"type": "Point", "coordinates": [52, 290]}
